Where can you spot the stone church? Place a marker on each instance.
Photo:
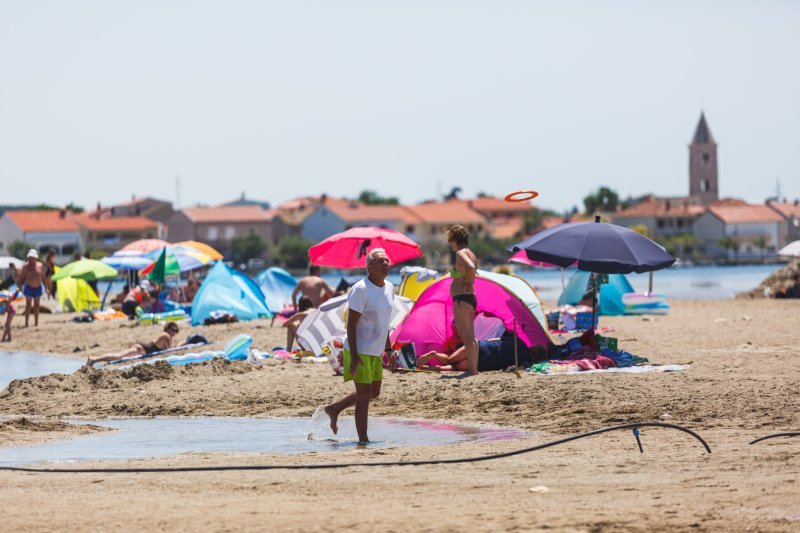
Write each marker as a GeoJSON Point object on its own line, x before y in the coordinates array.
{"type": "Point", "coordinates": [703, 168]}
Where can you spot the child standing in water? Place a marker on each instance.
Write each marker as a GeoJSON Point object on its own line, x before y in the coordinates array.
{"type": "Point", "coordinates": [6, 308]}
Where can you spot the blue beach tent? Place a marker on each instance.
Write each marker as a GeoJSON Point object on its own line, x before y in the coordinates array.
{"type": "Point", "coordinates": [610, 301]}
{"type": "Point", "coordinates": [228, 290]}
{"type": "Point", "coordinates": [277, 286]}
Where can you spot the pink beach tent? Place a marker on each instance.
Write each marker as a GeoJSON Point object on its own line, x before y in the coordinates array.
{"type": "Point", "coordinates": [349, 249]}
{"type": "Point", "coordinates": [520, 257]}
{"type": "Point", "coordinates": [430, 322]}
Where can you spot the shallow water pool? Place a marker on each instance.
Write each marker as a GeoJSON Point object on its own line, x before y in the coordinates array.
{"type": "Point", "coordinates": [159, 437]}
{"type": "Point", "coordinates": [19, 365]}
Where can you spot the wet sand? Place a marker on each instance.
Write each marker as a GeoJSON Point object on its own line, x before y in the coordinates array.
{"type": "Point", "coordinates": [743, 383]}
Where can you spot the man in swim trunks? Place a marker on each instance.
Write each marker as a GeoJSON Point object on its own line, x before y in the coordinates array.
{"type": "Point", "coordinates": [369, 313]}
{"type": "Point", "coordinates": [33, 282]}
{"type": "Point", "coordinates": [312, 286]}
{"type": "Point", "coordinates": [159, 344]}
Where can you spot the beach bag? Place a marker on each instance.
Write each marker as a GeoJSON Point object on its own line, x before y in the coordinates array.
{"type": "Point", "coordinates": [220, 317]}
{"type": "Point", "coordinates": [406, 356]}
{"type": "Point", "coordinates": [196, 339]}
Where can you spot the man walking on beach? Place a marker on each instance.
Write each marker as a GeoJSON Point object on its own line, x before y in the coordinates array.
{"type": "Point", "coordinates": [31, 280]}
{"type": "Point", "coordinates": [369, 305]}
{"type": "Point", "coordinates": [312, 286]}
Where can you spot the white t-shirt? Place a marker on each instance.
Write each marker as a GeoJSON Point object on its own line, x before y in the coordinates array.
{"type": "Point", "coordinates": [375, 305]}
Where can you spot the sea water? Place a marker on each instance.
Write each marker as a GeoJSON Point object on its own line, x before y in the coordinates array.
{"type": "Point", "coordinates": [690, 283]}
{"type": "Point", "coordinates": [136, 438]}
{"type": "Point", "coordinates": [685, 283]}
{"type": "Point", "coordinates": [19, 365]}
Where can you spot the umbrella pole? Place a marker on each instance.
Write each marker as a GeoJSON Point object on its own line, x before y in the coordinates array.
{"type": "Point", "coordinates": [650, 287]}
{"type": "Point", "coordinates": [108, 289]}
{"type": "Point", "coordinates": [594, 307]}
{"type": "Point", "coordinates": [516, 356]}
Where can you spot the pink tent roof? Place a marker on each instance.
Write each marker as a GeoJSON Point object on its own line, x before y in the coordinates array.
{"type": "Point", "coordinates": [430, 322]}
{"type": "Point", "coordinates": [521, 257]}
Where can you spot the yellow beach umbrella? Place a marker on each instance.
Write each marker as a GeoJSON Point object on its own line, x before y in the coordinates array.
{"type": "Point", "coordinates": [202, 247]}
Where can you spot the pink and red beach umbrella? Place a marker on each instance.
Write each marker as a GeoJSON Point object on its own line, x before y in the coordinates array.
{"type": "Point", "coordinates": [349, 249]}
{"type": "Point", "coordinates": [144, 245]}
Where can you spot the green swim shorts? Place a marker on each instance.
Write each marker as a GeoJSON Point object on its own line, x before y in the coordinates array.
{"type": "Point", "coordinates": [370, 369]}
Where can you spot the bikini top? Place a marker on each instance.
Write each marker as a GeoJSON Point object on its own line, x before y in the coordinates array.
{"type": "Point", "coordinates": [455, 274]}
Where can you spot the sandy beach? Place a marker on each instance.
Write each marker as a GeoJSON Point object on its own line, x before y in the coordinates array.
{"type": "Point", "coordinates": [742, 384]}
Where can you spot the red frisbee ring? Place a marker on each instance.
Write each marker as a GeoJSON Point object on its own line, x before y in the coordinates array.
{"type": "Point", "coordinates": [514, 196]}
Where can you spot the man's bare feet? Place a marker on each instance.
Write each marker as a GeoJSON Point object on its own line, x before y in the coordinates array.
{"type": "Point", "coordinates": [334, 418]}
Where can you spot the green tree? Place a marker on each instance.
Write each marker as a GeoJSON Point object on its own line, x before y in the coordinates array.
{"type": "Point", "coordinates": [730, 244]}
{"type": "Point", "coordinates": [292, 252]}
{"type": "Point", "coordinates": [453, 194]}
{"type": "Point", "coordinates": [490, 250]}
{"type": "Point", "coordinates": [682, 245]}
{"type": "Point", "coordinates": [373, 198]}
{"type": "Point", "coordinates": [532, 221]}
{"type": "Point", "coordinates": [19, 249]}
{"type": "Point", "coordinates": [761, 242]}
{"type": "Point", "coordinates": [604, 199]}
{"type": "Point", "coordinates": [75, 208]}
{"type": "Point", "coordinates": [247, 246]}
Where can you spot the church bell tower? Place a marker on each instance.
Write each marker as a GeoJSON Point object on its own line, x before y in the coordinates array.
{"type": "Point", "coordinates": [703, 183]}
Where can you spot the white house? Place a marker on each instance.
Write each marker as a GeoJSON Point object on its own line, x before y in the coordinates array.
{"type": "Point", "coordinates": [335, 215]}
{"type": "Point", "coordinates": [43, 230]}
{"type": "Point", "coordinates": [756, 228]}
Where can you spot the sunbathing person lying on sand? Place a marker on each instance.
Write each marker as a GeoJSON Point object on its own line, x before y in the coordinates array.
{"type": "Point", "coordinates": [493, 354]}
{"type": "Point", "coordinates": [162, 342]}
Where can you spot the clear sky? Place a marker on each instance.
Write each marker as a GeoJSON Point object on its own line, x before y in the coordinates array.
{"type": "Point", "coordinates": [102, 99]}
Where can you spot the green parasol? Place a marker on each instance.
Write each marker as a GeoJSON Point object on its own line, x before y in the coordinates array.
{"type": "Point", "coordinates": [86, 269]}
{"type": "Point", "coordinates": [160, 268]}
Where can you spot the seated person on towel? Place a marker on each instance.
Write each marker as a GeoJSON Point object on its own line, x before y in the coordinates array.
{"type": "Point", "coordinates": [159, 344]}
{"type": "Point", "coordinates": [305, 306]}
{"type": "Point", "coordinates": [493, 354]}
{"type": "Point", "coordinates": [137, 297]}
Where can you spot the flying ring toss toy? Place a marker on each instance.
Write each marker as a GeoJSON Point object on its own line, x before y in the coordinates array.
{"type": "Point", "coordinates": [514, 196]}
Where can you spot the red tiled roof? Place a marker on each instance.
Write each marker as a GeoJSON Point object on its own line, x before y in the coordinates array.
{"type": "Point", "coordinates": [247, 213]}
{"type": "Point", "coordinates": [744, 214]}
{"type": "Point", "coordinates": [450, 212]}
{"type": "Point", "coordinates": [42, 221]}
{"type": "Point", "coordinates": [787, 210]}
{"type": "Point", "coordinates": [303, 202]}
{"type": "Point", "coordinates": [506, 229]}
{"type": "Point", "coordinates": [553, 221]}
{"type": "Point", "coordinates": [653, 207]}
{"type": "Point", "coordinates": [728, 201]}
{"type": "Point", "coordinates": [115, 223]}
{"type": "Point", "coordinates": [490, 203]}
{"type": "Point", "coordinates": [356, 212]}
{"type": "Point", "coordinates": [137, 200]}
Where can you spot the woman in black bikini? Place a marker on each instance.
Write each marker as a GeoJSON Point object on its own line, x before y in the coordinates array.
{"type": "Point", "coordinates": [463, 292]}
{"type": "Point", "coordinates": [162, 342]}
